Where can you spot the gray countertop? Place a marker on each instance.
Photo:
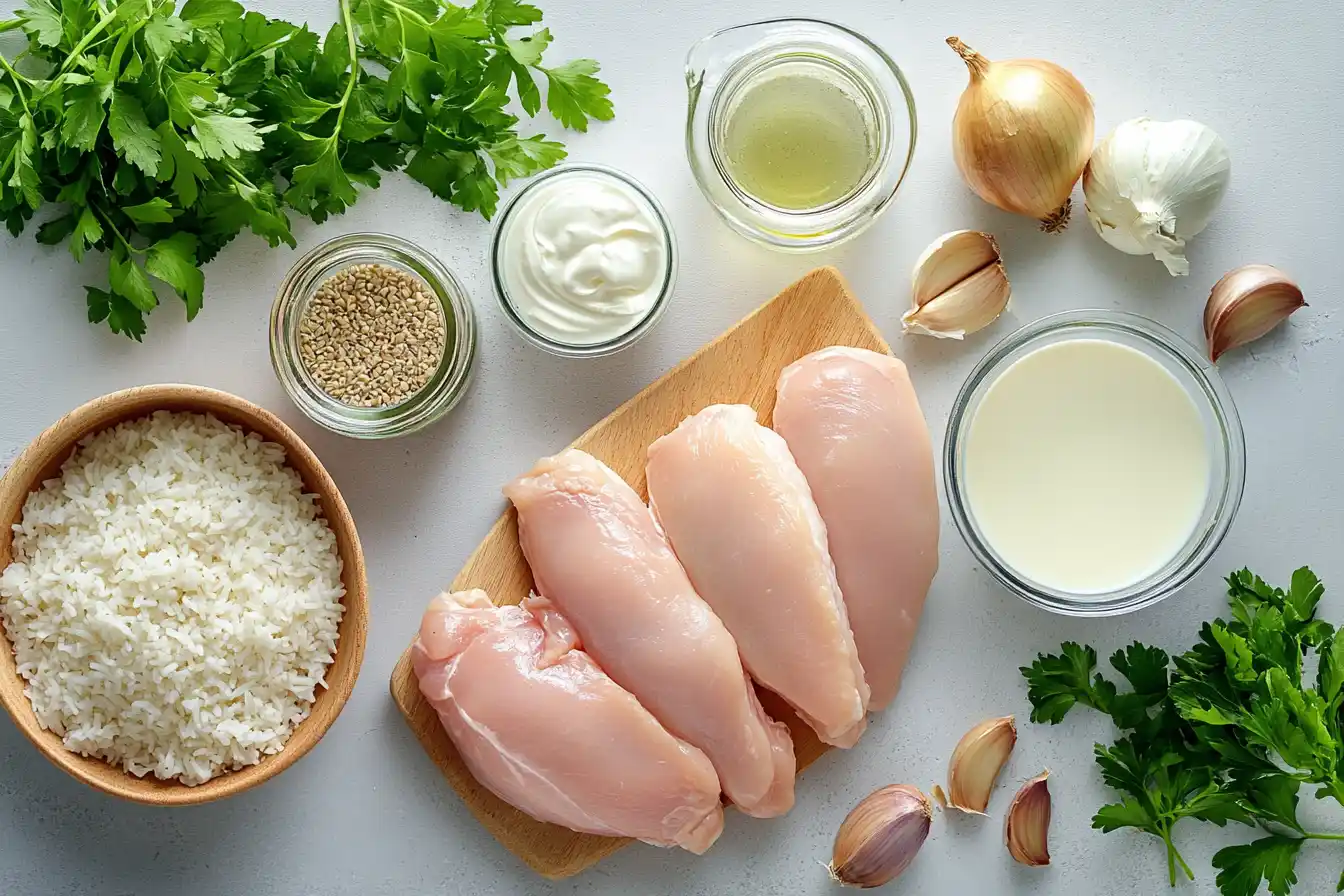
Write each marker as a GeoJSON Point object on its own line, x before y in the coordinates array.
{"type": "Point", "coordinates": [366, 813]}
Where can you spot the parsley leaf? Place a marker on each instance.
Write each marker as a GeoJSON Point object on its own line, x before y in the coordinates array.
{"type": "Point", "coordinates": [1060, 681]}
{"type": "Point", "coordinates": [132, 135]}
{"type": "Point", "coordinates": [156, 211]}
{"type": "Point", "coordinates": [574, 95]}
{"type": "Point", "coordinates": [43, 21]}
{"type": "Point", "coordinates": [225, 136]}
{"type": "Point", "coordinates": [129, 281]}
{"type": "Point", "coordinates": [1270, 859]}
{"type": "Point", "coordinates": [174, 262]}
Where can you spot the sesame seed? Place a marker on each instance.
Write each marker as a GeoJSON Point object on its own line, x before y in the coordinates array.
{"type": "Point", "coordinates": [371, 336]}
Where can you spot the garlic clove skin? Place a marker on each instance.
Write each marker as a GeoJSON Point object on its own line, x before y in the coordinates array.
{"type": "Point", "coordinates": [959, 286]}
{"type": "Point", "coordinates": [976, 762]}
{"type": "Point", "coordinates": [880, 837]}
{"type": "Point", "coordinates": [1247, 303]}
{"type": "Point", "coordinates": [1153, 185]}
{"type": "Point", "coordinates": [1027, 827]}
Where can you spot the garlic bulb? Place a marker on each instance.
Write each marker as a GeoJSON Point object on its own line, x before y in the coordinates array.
{"type": "Point", "coordinates": [1152, 185]}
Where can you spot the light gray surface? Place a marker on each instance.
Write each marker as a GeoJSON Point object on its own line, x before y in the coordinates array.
{"type": "Point", "coordinates": [366, 813]}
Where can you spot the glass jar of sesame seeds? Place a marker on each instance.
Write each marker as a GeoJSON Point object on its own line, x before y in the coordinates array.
{"type": "Point", "coordinates": [372, 337]}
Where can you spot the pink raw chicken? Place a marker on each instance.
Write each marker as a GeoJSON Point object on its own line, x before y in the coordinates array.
{"type": "Point", "coordinates": [597, 553]}
{"type": "Point", "coordinates": [854, 425]}
{"type": "Point", "coordinates": [741, 519]}
{"type": "Point", "coordinates": [540, 725]}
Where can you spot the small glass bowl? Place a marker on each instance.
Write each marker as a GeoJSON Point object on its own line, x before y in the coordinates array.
{"type": "Point", "coordinates": [722, 68]}
{"type": "Point", "coordinates": [445, 387]}
{"type": "Point", "coordinates": [591, 350]}
{"type": "Point", "coordinates": [1227, 455]}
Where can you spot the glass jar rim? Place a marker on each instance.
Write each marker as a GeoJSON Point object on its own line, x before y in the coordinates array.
{"type": "Point", "coordinates": [451, 377]}
{"type": "Point", "coordinates": [1226, 488]}
{"type": "Point", "coordinates": [638, 329]}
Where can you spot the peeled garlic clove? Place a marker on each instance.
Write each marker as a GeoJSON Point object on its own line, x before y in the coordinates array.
{"type": "Point", "coordinates": [977, 761]}
{"type": "Point", "coordinates": [1246, 304]}
{"type": "Point", "coordinates": [960, 286]}
{"type": "Point", "coordinates": [1027, 827]}
{"type": "Point", "coordinates": [880, 837]}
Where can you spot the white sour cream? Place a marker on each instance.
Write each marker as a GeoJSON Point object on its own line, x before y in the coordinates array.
{"type": "Point", "coordinates": [1087, 466]}
{"type": "Point", "coordinates": [583, 257]}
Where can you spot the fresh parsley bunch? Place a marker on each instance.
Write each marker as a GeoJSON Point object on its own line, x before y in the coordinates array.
{"type": "Point", "coordinates": [1228, 731]}
{"type": "Point", "coordinates": [162, 133]}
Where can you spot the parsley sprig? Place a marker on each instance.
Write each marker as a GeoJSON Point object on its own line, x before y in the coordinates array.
{"type": "Point", "coordinates": [160, 134]}
{"type": "Point", "coordinates": [1228, 731]}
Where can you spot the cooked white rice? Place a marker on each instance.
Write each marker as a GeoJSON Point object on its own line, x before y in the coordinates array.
{"type": "Point", "coordinates": [174, 598]}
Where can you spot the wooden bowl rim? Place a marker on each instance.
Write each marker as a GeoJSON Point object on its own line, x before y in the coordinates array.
{"type": "Point", "coordinates": [58, 441]}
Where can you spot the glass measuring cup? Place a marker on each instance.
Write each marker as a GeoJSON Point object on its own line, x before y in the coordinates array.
{"type": "Point", "coordinates": [721, 70]}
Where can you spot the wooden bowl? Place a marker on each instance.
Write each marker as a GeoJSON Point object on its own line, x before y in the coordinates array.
{"type": "Point", "coordinates": [42, 460]}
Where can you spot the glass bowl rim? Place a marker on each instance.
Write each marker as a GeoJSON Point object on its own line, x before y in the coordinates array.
{"type": "Point", "coordinates": [640, 328]}
{"type": "Point", "coordinates": [1225, 493]}
{"type": "Point", "coordinates": [446, 385]}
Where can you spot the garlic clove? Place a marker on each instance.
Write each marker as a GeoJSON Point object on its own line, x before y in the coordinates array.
{"type": "Point", "coordinates": [976, 762]}
{"type": "Point", "coordinates": [880, 837]}
{"type": "Point", "coordinates": [959, 287]}
{"type": "Point", "coordinates": [1246, 304]}
{"type": "Point", "coordinates": [940, 796]}
{"type": "Point", "coordinates": [1027, 826]}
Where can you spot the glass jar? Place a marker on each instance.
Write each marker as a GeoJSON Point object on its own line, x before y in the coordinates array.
{"type": "Point", "coordinates": [1225, 440]}
{"type": "Point", "coordinates": [639, 327]}
{"type": "Point", "coordinates": [724, 67]}
{"type": "Point", "coordinates": [446, 385]}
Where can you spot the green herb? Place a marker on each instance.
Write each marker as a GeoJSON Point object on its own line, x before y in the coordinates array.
{"type": "Point", "coordinates": [161, 133]}
{"type": "Point", "coordinates": [1228, 731]}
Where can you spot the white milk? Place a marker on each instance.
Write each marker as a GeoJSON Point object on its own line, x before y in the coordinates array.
{"type": "Point", "coordinates": [1086, 466]}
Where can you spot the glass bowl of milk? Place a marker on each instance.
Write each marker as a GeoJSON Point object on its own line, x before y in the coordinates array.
{"type": "Point", "coordinates": [1094, 461]}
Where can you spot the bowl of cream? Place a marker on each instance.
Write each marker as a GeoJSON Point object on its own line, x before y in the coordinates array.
{"type": "Point", "coordinates": [584, 261]}
{"type": "Point", "coordinates": [1093, 463]}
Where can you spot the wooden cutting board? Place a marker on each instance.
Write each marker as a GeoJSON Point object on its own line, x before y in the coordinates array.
{"type": "Point", "coordinates": [739, 367]}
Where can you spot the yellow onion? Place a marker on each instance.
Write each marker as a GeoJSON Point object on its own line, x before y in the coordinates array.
{"type": "Point", "coordinates": [1022, 135]}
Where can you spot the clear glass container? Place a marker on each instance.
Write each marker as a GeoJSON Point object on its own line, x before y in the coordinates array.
{"type": "Point", "coordinates": [639, 328]}
{"type": "Point", "coordinates": [1226, 445]}
{"type": "Point", "coordinates": [722, 68]}
{"type": "Point", "coordinates": [446, 385]}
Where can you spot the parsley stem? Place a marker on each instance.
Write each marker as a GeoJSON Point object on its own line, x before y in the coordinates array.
{"type": "Point", "coordinates": [107, 219]}
{"type": "Point", "coordinates": [399, 9]}
{"type": "Point", "coordinates": [1174, 856]}
{"type": "Point", "coordinates": [347, 20]}
{"type": "Point", "coordinates": [1319, 835]}
{"type": "Point", "coordinates": [19, 81]}
{"type": "Point", "coordinates": [10, 25]}
{"type": "Point", "coordinates": [77, 52]}
{"type": "Point", "coordinates": [275, 44]}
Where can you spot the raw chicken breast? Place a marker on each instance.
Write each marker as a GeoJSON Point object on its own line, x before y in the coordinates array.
{"type": "Point", "coordinates": [854, 426]}
{"type": "Point", "coordinates": [741, 519]}
{"type": "Point", "coordinates": [540, 725]}
{"type": "Point", "coordinates": [598, 555]}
